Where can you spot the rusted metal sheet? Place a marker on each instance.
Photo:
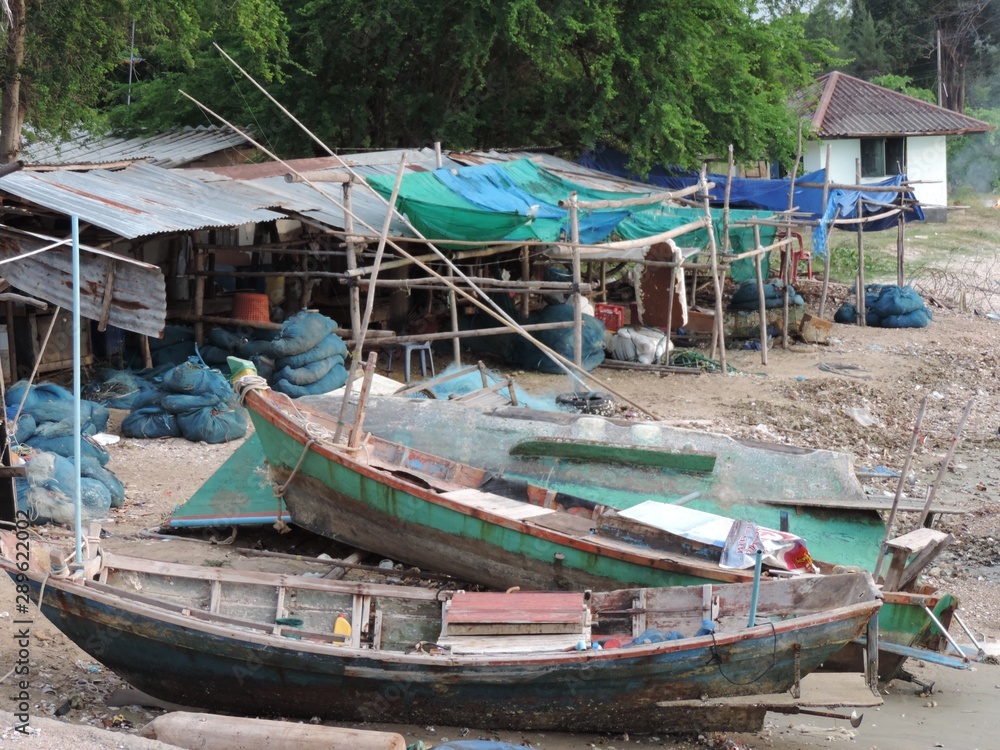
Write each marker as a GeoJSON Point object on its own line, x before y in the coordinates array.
{"type": "Point", "coordinates": [138, 201]}
{"type": "Point", "coordinates": [171, 149]}
{"type": "Point", "coordinates": [137, 299]}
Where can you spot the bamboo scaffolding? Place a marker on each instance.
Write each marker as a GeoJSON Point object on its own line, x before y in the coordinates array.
{"type": "Point", "coordinates": [862, 312]}
{"type": "Point", "coordinates": [826, 260]}
{"type": "Point", "coordinates": [488, 305]}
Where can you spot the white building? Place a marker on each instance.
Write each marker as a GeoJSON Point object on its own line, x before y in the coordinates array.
{"type": "Point", "coordinates": [889, 132]}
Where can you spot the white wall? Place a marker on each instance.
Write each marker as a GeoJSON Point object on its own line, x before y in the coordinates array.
{"type": "Point", "coordinates": [927, 161]}
{"type": "Point", "coordinates": [843, 153]}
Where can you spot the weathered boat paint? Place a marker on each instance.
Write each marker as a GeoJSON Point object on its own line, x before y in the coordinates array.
{"type": "Point", "coordinates": [195, 657]}
{"type": "Point", "coordinates": [368, 505]}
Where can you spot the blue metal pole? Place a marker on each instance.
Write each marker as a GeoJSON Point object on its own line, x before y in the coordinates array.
{"type": "Point", "coordinates": [77, 422]}
{"type": "Point", "coordinates": [756, 588]}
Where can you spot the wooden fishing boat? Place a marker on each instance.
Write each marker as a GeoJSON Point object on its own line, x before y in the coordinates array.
{"type": "Point", "coordinates": [445, 515]}
{"type": "Point", "coordinates": [266, 644]}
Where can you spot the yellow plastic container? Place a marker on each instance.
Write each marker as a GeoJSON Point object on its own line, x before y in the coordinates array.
{"type": "Point", "coordinates": [342, 627]}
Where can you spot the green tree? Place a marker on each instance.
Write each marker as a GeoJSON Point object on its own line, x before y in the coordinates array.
{"type": "Point", "coordinates": [665, 81]}
{"type": "Point", "coordinates": [65, 62]}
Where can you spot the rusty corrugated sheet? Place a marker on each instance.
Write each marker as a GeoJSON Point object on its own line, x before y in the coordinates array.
{"type": "Point", "coordinates": [846, 107]}
{"type": "Point", "coordinates": [138, 201]}
{"type": "Point", "coordinates": [138, 298]}
{"type": "Point", "coordinates": [171, 149]}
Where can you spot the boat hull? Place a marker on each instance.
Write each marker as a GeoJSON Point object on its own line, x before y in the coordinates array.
{"type": "Point", "coordinates": [207, 665]}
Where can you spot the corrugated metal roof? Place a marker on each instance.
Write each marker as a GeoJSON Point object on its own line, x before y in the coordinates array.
{"type": "Point", "coordinates": [174, 148]}
{"type": "Point", "coordinates": [269, 188]}
{"type": "Point", "coordinates": [138, 297]}
{"type": "Point", "coordinates": [842, 106]}
{"type": "Point", "coordinates": [137, 201]}
{"type": "Point", "coordinates": [423, 157]}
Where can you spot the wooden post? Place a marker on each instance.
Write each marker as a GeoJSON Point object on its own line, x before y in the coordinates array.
{"type": "Point", "coordinates": [829, 234]}
{"type": "Point", "coordinates": [438, 161]}
{"type": "Point", "coordinates": [456, 343]}
{"type": "Point", "coordinates": [725, 205]}
{"type": "Point", "coordinates": [525, 276]}
{"type": "Point", "coordinates": [574, 224]}
{"type": "Point", "coordinates": [789, 255]}
{"type": "Point", "coordinates": [8, 490]}
{"type": "Point", "coordinates": [199, 294]}
{"type": "Point", "coordinates": [758, 263]}
{"type": "Point", "coordinates": [352, 262]}
{"type": "Point", "coordinates": [11, 348]}
{"type": "Point", "coordinates": [900, 247]}
{"type": "Point", "coordinates": [720, 335]}
{"type": "Point", "coordinates": [862, 312]}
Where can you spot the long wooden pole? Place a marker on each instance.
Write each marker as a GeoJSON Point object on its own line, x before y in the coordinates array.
{"type": "Point", "coordinates": [862, 312]}
{"type": "Point", "coordinates": [720, 323]}
{"type": "Point", "coordinates": [914, 439]}
{"type": "Point", "coordinates": [574, 234]}
{"type": "Point", "coordinates": [352, 262]}
{"type": "Point", "coordinates": [944, 464]}
{"type": "Point", "coordinates": [789, 254]}
{"type": "Point", "coordinates": [488, 306]}
{"type": "Point", "coordinates": [826, 260]}
{"type": "Point", "coordinates": [758, 262]}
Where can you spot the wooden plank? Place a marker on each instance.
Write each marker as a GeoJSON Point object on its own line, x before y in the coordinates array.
{"type": "Point", "coordinates": [214, 595]}
{"type": "Point", "coordinates": [511, 644]}
{"type": "Point", "coordinates": [109, 282]}
{"type": "Point", "coordinates": [870, 503]}
{"type": "Point", "coordinates": [515, 607]}
{"type": "Point", "coordinates": [514, 510]}
{"type": "Point", "coordinates": [633, 455]}
{"type": "Point", "coordinates": [916, 540]}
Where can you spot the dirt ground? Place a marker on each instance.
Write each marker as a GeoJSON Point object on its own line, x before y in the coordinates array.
{"type": "Point", "coordinates": [860, 394]}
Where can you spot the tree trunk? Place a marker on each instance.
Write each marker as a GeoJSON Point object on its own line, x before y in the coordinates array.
{"type": "Point", "coordinates": [11, 116]}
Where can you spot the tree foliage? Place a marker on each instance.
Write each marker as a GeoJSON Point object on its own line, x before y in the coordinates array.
{"type": "Point", "coordinates": [665, 81]}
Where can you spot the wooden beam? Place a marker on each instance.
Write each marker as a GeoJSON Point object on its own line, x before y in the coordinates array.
{"type": "Point", "coordinates": [109, 282]}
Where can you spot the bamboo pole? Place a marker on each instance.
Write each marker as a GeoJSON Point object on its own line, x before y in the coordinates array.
{"type": "Point", "coordinates": [944, 464]}
{"type": "Point", "coordinates": [640, 200]}
{"type": "Point", "coordinates": [488, 306]}
{"type": "Point", "coordinates": [862, 312]}
{"type": "Point", "coordinates": [199, 296]}
{"type": "Point", "coordinates": [359, 341]}
{"type": "Point", "coordinates": [352, 261]}
{"type": "Point", "coordinates": [899, 488]}
{"type": "Point", "coordinates": [456, 344]}
{"type": "Point", "coordinates": [900, 248]}
{"type": "Point", "coordinates": [758, 263]}
{"type": "Point", "coordinates": [574, 233]}
{"type": "Point", "coordinates": [446, 335]}
{"type": "Point", "coordinates": [789, 253]}
{"type": "Point", "coordinates": [725, 204]}
{"type": "Point", "coordinates": [720, 335]}
{"type": "Point", "coordinates": [826, 260]}
{"type": "Point", "coordinates": [525, 276]}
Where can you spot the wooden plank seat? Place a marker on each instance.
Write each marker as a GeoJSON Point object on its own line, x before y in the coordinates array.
{"type": "Point", "coordinates": [515, 622]}
{"type": "Point", "coordinates": [923, 545]}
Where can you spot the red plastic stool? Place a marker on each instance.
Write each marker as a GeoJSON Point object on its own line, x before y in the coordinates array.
{"type": "Point", "coordinates": [798, 256]}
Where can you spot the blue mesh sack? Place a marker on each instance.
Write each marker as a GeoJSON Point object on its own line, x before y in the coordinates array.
{"type": "Point", "coordinates": [331, 346]}
{"type": "Point", "coordinates": [914, 319]}
{"type": "Point", "coordinates": [301, 332]}
{"type": "Point", "coordinates": [254, 348]}
{"type": "Point", "coordinates": [92, 468]}
{"type": "Point", "coordinates": [530, 357]}
{"type": "Point", "coordinates": [329, 382]}
{"type": "Point", "coordinates": [308, 374]}
{"type": "Point", "coordinates": [37, 394]}
{"type": "Point", "coordinates": [94, 417]}
{"type": "Point", "coordinates": [178, 403]}
{"type": "Point", "coordinates": [264, 365]}
{"type": "Point", "coordinates": [63, 446]}
{"type": "Point", "coordinates": [50, 491]}
{"type": "Point", "coordinates": [150, 422]}
{"type": "Point", "coordinates": [194, 377]}
{"type": "Point", "coordinates": [25, 427]}
{"type": "Point", "coordinates": [213, 355]}
{"type": "Point", "coordinates": [225, 339]}
{"type": "Point", "coordinates": [212, 425]}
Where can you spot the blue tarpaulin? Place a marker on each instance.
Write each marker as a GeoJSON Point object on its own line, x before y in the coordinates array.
{"type": "Point", "coordinates": [769, 194]}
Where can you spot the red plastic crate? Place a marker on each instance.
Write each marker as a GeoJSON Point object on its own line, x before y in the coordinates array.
{"type": "Point", "coordinates": [613, 316]}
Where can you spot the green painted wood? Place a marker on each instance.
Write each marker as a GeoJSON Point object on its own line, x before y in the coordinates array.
{"type": "Point", "coordinates": [630, 455]}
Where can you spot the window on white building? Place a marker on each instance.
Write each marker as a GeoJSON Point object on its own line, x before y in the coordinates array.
{"type": "Point", "coordinates": [881, 157]}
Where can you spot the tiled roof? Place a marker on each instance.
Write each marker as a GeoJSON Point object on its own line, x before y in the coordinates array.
{"type": "Point", "coordinates": [842, 106]}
